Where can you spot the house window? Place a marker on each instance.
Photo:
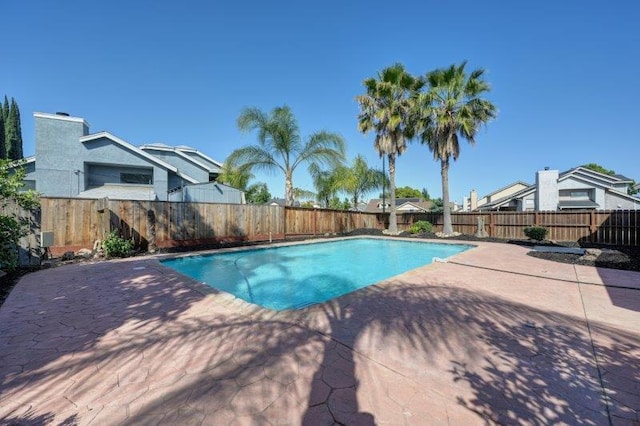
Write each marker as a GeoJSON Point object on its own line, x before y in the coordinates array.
{"type": "Point", "coordinates": [579, 195]}
{"type": "Point", "coordinates": [136, 178]}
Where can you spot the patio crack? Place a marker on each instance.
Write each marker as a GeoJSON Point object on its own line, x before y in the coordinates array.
{"type": "Point", "coordinates": [593, 349]}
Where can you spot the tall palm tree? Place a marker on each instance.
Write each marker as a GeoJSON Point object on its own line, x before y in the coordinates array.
{"type": "Point", "coordinates": [281, 147]}
{"type": "Point", "coordinates": [386, 109]}
{"type": "Point", "coordinates": [359, 179]}
{"type": "Point", "coordinates": [452, 109]}
{"type": "Point", "coordinates": [236, 177]}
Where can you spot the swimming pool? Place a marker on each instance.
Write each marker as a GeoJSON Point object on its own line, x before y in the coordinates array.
{"type": "Point", "coordinates": [295, 276]}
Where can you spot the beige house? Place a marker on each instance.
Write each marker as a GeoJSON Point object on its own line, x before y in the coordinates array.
{"type": "Point", "coordinates": [473, 203]}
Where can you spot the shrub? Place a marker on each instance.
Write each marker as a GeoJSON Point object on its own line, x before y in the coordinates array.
{"type": "Point", "coordinates": [12, 225]}
{"type": "Point", "coordinates": [116, 246]}
{"type": "Point", "coordinates": [537, 233]}
{"type": "Point", "coordinates": [421, 226]}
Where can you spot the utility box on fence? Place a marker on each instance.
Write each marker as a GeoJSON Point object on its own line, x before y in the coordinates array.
{"type": "Point", "coordinates": [46, 239]}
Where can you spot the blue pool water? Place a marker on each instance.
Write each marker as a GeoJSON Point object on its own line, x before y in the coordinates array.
{"type": "Point", "coordinates": [292, 277]}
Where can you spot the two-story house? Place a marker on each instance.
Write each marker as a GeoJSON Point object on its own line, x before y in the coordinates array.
{"type": "Point", "coordinates": [576, 189]}
{"type": "Point", "coordinates": [72, 162]}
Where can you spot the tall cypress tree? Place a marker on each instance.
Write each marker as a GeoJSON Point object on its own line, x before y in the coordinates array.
{"type": "Point", "coordinates": [15, 152]}
{"type": "Point", "coordinates": [5, 109]}
{"type": "Point", "coordinates": [3, 148]}
{"type": "Point", "coordinates": [5, 120]}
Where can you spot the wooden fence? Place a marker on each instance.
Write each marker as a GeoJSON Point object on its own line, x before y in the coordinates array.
{"type": "Point", "coordinates": [302, 221]}
{"type": "Point", "coordinates": [78, 223]}
{"type": "Point", "coordinates": [614, 227]}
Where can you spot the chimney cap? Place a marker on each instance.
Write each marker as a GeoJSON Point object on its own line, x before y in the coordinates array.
{"type": "Point", "coordinates": [64, 114]}
{"type": "Point", "coordinates": [546, 167]}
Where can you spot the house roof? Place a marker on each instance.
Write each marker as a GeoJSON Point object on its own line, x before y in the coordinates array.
{"type": "Point", "coordinates": [178, 151]}
{"type": "Point", "coordinates": [577, 204]}
{"type": "Point", "coordinates": [595, 175]}
{"type": "Point", "coordinates": [61, 117]}
{"type": "Point", "coordinates": [281, 202]}
{"type": "Point", "coordinates": [505, 200]}
{"type": "Point", "coordinates": [185, 148]}
{"type": "Point", "coordinates": [375, 204]}
{"type": "Point", "coordinates": [519, 182]}
{"type": "Point", "coordinates": [22, 162]}
{"type": "Point", "coordinates": [120, 192]}
{"type": "Point", "coordinates": [136, 150]}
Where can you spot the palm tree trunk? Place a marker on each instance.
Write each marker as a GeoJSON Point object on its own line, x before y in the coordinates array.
{"type": "Point", "coordinates": [444, 172]}
{"type": "Point", "coordinates": [288, 187]}
{"type": "Point", "coordinates": [393, 224]}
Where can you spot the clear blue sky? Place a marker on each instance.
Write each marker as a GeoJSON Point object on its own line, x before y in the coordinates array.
{"type": "Point", "coordinates": [565, 75]}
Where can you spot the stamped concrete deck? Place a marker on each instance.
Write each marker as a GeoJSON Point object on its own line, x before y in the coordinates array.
{"type": "Point", "coordinates": [494, 336]}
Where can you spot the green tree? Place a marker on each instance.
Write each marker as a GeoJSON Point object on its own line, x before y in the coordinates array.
{"type": "Point", "coordinates": [5, 109]}
{"type": "Point", "coordinates": [258, 193]}
{"type": "Point", "coordinates": [598, 168]}
{"type": "Point", "coordinates": [437, 206]}
{"type": "Point", "coordinates": [336, 204]}
{"type": "Point", "coordinates": [386, 109]}
{"type": "Point", "coordinates": [452, 109]}
{"type": "Point", "coordinates": [425, 194]}
{"type": "Point", "coordinates": [325, 184]}
{"type": "Point", "coordinates": [3, 148]}
{"type": "Point", "coordinates": [408, 192]}
{"type": "Point", "coordinates": [13, 131]}
{"type": "Point", "coordinates": [13, 227]}
{"type": "Point", "coordinates": [4, 116]}
{"type": "Point", "coordinates": [280, 146]}
{"type": "Point", "coordinates": [300, 193]}
{"type": "Point", "coordinates": [359, 179]}
{"type": "Point", "coordinates": [236, 177]}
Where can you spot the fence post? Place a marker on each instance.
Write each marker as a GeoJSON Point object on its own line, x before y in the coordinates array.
{"type": "Point", "coordinates": [315, 221]}
{"type": "Point", "coordinates": [492, 224]}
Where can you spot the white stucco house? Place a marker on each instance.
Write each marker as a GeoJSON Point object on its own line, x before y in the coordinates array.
{"type": "Point", "coordinates": [575, 189]}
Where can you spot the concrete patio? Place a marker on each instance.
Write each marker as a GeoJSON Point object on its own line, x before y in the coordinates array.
{"type": "Point", "coordinates": [493, 336]}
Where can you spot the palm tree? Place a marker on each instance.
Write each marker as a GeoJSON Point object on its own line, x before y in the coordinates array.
{"type": "Point", "coordinates": [236, 177]}
{"type": "Point", "coordinates": [281, 147]}
{"type": "Point", "coordinates": [359, 179]}
{"type": "Point", "coordinates": [324, 181]}
{"type": "Point", "coordinates": [386, 109]}
{"type": "Point", "coordinates": [452, 109]}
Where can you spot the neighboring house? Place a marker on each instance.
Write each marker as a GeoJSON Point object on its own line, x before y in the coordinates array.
{"type": "Point", "coordinates": [71, 162]}
{"type": "Point", "coordinates": [187, 159]}
{"type": "Point", "coordinates": [281, 202]}
{"type": "Point", "coordinates": [208, 192]}
{"type": "Point", "coordinates": [473, 203]}
{"type": "Point", "coordinates": [403, 205]}
{"type": "Point", "coordinates": [575, 189]}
